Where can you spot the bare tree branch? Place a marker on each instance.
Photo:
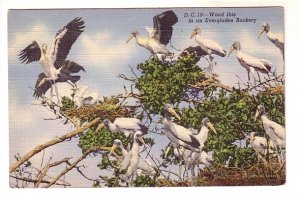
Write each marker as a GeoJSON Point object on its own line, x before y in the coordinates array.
{"type": "Point", "coordinates": [57, 140]}
{"type": "Point", "coordinates": [75, 163]}
{"type": "Point", "coordinates": [46, 169]}
{"type": "Point", "coordinates": [35, 180]}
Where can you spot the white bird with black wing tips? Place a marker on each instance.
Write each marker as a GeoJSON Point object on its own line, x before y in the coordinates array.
{"type": "Point", "coordinates": [250, 63]}
{"type": "Point", "coordinates": [192, 157]}
{"type": "Point", "coordinates": [128, 126]}
{"type": "Point", "coordinates": [53, 61]}
{"type": "Point", "coordinates": [178, 135]}
{"type": "Point", "coordinates": [159, 36]}
{"type": "Point", "coordinates": [209, 46]}
{"type": "Point", "coordinates": [275, 131]}
{"type": "Point", "coordinates": [275, 38]}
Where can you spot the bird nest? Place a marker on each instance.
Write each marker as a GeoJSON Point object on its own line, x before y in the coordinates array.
{"type": "Point", "coordinates": [110, 109]}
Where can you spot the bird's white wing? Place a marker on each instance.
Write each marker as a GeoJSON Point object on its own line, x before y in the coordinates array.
{"type": "Point", "coordinates": [251, 61]}
{"type": "Point", "coordinates": [184, 135]}
{"type": "Point", "coordinates": [126, 161]}
{"type": "Point", "coordinates": [150, 31]}
{"type": "Point", "coordinates": [63, 41]}
{"type": "Point", "coordinates": [210, 44]}
{"type": "Point", "coordinates": [130, 123]}
{"type": "Point", "coordinates": [276, 128]}
{"type": "Point", "coordinates": [144, 166]}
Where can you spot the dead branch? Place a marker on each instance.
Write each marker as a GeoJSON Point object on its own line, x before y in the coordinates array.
{"type": "Point", "coordinates": [46, 169]}
{"type": "Point", "coordinates": [57, 140]}
{"type": "Point", "coordinates": [75, 163]}
{"type": "Point", "coordinates": [35, 180]}
{"type": "Point", "coordinates": [211, 82]}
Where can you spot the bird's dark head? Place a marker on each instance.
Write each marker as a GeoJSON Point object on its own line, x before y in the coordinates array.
{"type": "Point", "coordinates": [44, 48]}
{"type": "Point", "coordinates": [196, 31]}
{"type": "Point", "coordinates": [118, 143]}
{"type": "Point", "coordinates": [259, 111]}
{"type": "Point", "coordinates": [264, 28]}
{"type": "Point", "coordinates": [207, 123]}
{"type": "Point", "coordinates": [106, 122]}
{"type": "Point", "coordinates": [234, 47]}
{"type": "Point", "coordinates": [138, 137]}
{"type": "Point", "coordinates": [132, 35]}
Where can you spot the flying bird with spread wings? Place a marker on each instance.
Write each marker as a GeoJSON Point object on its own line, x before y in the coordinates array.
{"type": "Point", "coordinates": [54, 65]}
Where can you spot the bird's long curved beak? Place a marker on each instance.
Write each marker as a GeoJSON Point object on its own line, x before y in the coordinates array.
{"type": "Point", "coordinates": [193, 34]}
{"type": "Point", "coordinates": [129, 38]}
{"type": "Point", "coordinates": [113, 149]}
{"type": "Point", "coordinates": [100, 126]}
{"type": "Point", "coordinates": [262, 31]}
{"type": "Point", "coordinates": [211, 126]}
{"type": "Point", "coordinates": [230, 51]}
{"type": "Point", "coordinates": [167, 151]}
{"type": "Point", "coordinates": [256, 115]}
{"type": "Point", "coordinates": [173, 112]}
{"type": "Point", "coordinates": [142, 140]}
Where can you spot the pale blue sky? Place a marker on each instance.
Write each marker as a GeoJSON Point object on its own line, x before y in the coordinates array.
{"type": "Point", "coordinates": [102, 51]}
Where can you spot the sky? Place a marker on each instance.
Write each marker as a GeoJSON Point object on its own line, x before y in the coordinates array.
{"type": "Point", "coordinates": [101, 49]}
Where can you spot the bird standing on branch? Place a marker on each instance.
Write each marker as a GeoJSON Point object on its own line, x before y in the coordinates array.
{"type": "Point", "coordinates": [250, 63]}
{"type": "Point", "coordinates": [159, 36]}
{"type": "Point", "coordinates": [275, 38]}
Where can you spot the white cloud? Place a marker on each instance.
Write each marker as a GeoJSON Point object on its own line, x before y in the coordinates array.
{"type": "Point", "coordinates": [38, 32]}
{"type": "Point", "coordinates": [104, 50]}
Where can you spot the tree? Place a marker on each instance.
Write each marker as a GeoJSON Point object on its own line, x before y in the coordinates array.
{"type": "Point", "coordinates": [195, 95]}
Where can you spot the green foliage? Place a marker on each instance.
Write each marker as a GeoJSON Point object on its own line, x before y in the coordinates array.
{"type": "Point", "coordinates": [67, 104]}
{"type": "Point", "coordinates": [144, 181]}
{"type": "Point", "coordinates": [162, 83]}
{"type": "Point", "coordinates": [233, 115]}
{"type": "Point", "coordinates": [102, 137]}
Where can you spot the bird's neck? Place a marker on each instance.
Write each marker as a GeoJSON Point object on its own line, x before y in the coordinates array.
{"type": "Point", "coordinates": [135, 147]}
{"type": "Point", "coordinates": [203, 134]}
{"type": "Point", "coordinates": [141, 41]}
{"type": "Point", "coordinates": [123, 151]}
{"type": "Point", "coordinates": [112, 127]}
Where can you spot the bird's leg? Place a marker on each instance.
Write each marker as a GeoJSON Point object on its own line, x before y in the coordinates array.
{"type": "Point", "coordinates": [210, 65]}
{"type": "Point", "coordinates": [57, 95]}
{"type": "Point", "coordinates": [258, 76]}
{"type": "Point", "coordinates": [180, 170]}
{"type": "Point", "coordinates": [278, 156]}
{"type": "Point", "coordinates": [51, 91]}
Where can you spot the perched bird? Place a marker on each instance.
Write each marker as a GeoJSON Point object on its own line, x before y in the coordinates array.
{"type": "Point", "coordinates": [178, 135]}
{"type": "Point", "coordinates": [250, 63]}
{"type": "Point", "coordinates": [275, 131]}
{"type": "Point", "coordinates": [192, 157]}
{"type": "Point", "coordinates": [259, 144]}
{"type": "Point", "coordinates": [275, 38]}
{"type": "Point", "coordinates": [52, 61]}
{"type": "Point", "coordinates": [159, 36]}
{"type": "Point", "coordinates": [65, 75]}
{"type": "Point", "coordinates": [128, 126]}
{"type": "Point", "coordinates": [131, 159]}
{"type": "Point", "coordinates": [144, 166]}
{"type": "Point", "coordinates": [209, 46]}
